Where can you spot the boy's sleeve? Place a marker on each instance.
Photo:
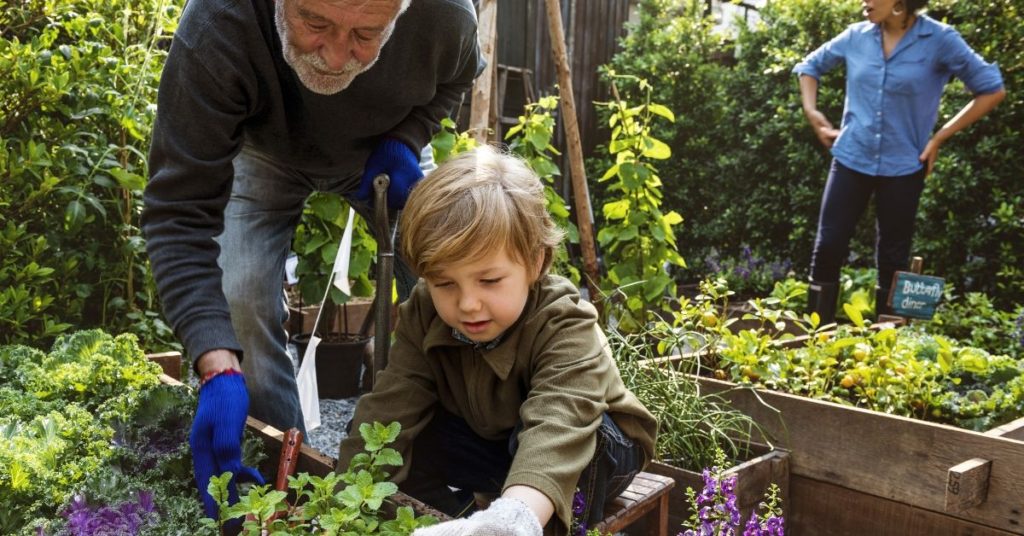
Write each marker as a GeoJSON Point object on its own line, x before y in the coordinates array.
{"type": "Point", "coordinates": [405, 391]}
{"type": "Point", "coordinates": [978, 75]}
{"type": "Point", "coordinates": [826, 57]}
{"type": "Point", "coordinates": [563, 410]}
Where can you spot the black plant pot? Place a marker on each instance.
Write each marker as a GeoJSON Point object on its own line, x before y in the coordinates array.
{"type": "Point", "coordinates": [339, 363]}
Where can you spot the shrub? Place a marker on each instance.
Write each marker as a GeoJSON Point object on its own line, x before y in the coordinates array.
{"type": "Point", "coordinates": [747, 169]}
{"type": "Point", "coordinates": [77, 81]}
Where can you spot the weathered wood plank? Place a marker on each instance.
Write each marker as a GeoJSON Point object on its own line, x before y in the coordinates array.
{"type": "Point", "coordinates": [643, 497]}
{"type": "Point", "coordinates": [753, 479]}
{"type": "Point", "coordinates": [483, 86]}
{"type": "Point", "coordinates": [897, 458]}
{"type": "Point", "coordinates": [1010, 430]}
{"type": "Point", "coordinates": [170, 362]}
{"type": "Point", "coordinates": [820, 508]}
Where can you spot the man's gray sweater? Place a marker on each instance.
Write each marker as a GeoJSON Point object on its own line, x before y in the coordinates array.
{"type": "Point", "coordinates": [226, 84]}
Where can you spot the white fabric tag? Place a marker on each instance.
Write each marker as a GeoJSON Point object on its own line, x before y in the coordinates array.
{"type": "Point", "coordinates": [309, 396]}
{"type": "Point", "coordinates": [341, 262]}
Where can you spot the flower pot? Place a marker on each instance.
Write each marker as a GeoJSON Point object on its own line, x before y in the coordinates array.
{"type": "Point", "coordinates": [339, 362]}
{"type": "Point", "coordinates": [302, 317]}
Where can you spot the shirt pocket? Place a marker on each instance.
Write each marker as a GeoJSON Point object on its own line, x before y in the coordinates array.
{"type": "Point", "coordinates": [908, 76]}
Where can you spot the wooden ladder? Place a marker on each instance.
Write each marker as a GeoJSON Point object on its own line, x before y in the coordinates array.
{"type": "Point", "coordinates": [498, 120]}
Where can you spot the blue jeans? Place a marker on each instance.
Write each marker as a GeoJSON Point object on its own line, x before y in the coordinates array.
{"type": "Point", "coordinates": [846, 196]}
{"type": "Point", "coordinates": [448, 453]}
{"type": "Point", "coordinates": [266, 205]}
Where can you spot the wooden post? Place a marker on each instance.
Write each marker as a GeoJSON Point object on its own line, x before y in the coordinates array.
{"type": "Point", "coordinates": [483, 87]}
{"type": "Point", "coordinates": [575, 148]}
{"type": "Point", "coordinates": [916, 264]}
{"type": "Point", "coordinates": [967, 484]}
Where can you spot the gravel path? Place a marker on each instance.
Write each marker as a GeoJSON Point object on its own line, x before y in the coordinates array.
{"type": "Point", "coordinates": [334, 415]}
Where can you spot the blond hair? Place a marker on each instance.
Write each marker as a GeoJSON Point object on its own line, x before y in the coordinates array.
{"type": "Point", "coordinates": [472, 205]}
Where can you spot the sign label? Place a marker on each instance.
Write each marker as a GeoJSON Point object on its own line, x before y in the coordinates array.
{"type": "Point", "coordinates": [915, 295]}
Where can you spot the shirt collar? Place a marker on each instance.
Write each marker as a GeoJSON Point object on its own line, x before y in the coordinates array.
{"type": "Point", "coordinates": [457, 335]}
{"type": "Point", "coordinates": [923, 27]}
{"type": "Point", "coordinates": [500, 354]}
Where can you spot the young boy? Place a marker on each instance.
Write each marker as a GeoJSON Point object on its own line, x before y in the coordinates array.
{"type": "Point", "coordinates": [499, 374]}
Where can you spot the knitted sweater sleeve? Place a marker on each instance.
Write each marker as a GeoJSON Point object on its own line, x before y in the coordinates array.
{"type": "Point", "coordinates": [201, 106]}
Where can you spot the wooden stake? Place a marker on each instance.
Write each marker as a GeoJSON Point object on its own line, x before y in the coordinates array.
{"type": "Point", "coordinates": [483, 87]}
{"type": "Point", "coordinates": [575, 148]}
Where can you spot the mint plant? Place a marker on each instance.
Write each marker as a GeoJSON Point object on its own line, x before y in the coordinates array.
{"type": "Point", "coordinates": [320, 508]}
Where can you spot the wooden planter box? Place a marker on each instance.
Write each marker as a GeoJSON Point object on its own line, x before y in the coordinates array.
{"type": "Point", "coordinates": [861, 472]}
{"type": "Point", "coordinates": [753, 478]}
{"type": "Point", "coordinates": [302, 319]}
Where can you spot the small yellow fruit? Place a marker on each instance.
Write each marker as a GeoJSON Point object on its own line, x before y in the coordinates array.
{"type": "Point", "coordinates": [709, 319]}
{"type": "Point", "coordinates": [847, 381]}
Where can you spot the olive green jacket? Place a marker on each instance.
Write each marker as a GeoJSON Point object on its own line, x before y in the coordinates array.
{"type": "Point", "coordinates": [552, 371]}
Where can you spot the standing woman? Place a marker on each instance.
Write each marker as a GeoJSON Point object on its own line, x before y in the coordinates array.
{"type": "Point", "coordinates": [897, 62]}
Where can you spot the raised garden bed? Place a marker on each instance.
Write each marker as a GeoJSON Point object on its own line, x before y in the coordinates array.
{"type": "Point", "coordinates": [754, 476]}
{"type": "Point", "coordinates": [856, 471]}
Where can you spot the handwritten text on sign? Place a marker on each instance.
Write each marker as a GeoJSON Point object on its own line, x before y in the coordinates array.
{"type": "Point", "coordinates": [916, 295]}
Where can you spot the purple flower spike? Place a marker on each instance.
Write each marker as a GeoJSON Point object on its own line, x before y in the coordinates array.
{"type": "Point", "coordinates": [729, 485]}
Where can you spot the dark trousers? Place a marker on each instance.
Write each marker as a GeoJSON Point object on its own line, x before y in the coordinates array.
{"type": "Point", "coordinates": [847, 193]}
{"type": "Point", "coordinates": [448, 454]}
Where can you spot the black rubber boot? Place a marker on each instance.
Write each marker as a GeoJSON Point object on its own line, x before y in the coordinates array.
{"type": "Point", "coordinates": [821, 299]}
{"type": "Point", "coordinates": [881, 297]}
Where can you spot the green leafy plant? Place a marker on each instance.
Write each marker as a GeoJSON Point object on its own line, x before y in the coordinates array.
{"type": "Point", "coordinates": [531, 140]}
{"type": "Point", "coordinates": [88, 429]}
{"type": "Point", "coordinates": [316, 242]}
{"type": "Point", "coordinates": [320, 507]}
{"type": "Point", "coordinates": [637, 237]}
{"type": "Point", "coordinates": [448, 141]}
{"type": "Point", "coordinates": [903, 371]}
{"type": "Point", "coordinates": [974, 319]}
{"type": "Point", "coordinates": [78, 81]}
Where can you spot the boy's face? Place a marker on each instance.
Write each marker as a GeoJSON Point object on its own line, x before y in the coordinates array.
{"type": "Point", "coordinates": [482, 298]}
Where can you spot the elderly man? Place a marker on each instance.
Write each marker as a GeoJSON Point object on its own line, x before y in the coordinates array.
{"type": "Point", "coordinates": [261, 103]}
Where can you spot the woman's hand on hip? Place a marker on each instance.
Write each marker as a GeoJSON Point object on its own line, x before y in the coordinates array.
{"type": "Point", "coordinates": [929, 155]}
{"type": "Point", "coordinates": [823, 129]}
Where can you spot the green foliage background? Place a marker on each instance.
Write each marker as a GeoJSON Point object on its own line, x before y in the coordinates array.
{"type": "Point", "coordinates": [78, 87]}
{"type": "Point", "coordinates": [746, 169]}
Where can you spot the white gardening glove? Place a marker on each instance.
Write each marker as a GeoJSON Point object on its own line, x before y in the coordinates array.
{"type": "Point", "coordinates": [504, 517]}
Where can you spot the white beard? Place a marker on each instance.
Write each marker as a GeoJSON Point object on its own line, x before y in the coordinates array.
{"type": "Point", "coordinates": [311, 69]}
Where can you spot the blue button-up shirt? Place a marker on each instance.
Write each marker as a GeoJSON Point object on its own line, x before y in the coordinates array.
{"type": "Point", "coordinates": [892, 103]}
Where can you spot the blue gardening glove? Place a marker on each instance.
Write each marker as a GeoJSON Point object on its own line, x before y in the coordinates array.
{"type": "Point", "coordinates": [400, 163]}
{"type": "Point", "coordinates": [216, 438]}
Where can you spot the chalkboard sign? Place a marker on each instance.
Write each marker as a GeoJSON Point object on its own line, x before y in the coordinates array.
{"type": "Point", "coordinates": [915, 295]}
